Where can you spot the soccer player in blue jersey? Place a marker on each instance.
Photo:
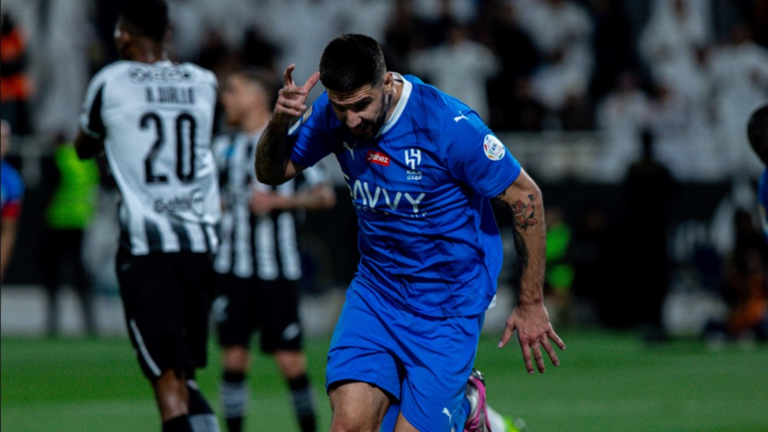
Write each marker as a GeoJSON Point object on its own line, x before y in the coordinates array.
{"type": "Point", "coordinates": [757, 132]}
{"type": "Point", "coordinates": [422, 168]}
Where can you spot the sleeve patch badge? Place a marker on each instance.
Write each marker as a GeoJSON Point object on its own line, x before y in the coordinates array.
{"type": "Point", "coordinates": [493, 148]}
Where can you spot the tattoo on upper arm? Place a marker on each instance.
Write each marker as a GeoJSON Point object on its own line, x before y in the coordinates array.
{"type": "Point", "coordinates": [524, 214]}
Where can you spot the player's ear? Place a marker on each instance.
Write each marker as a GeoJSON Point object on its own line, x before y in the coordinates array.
{"type": "Point", "coordinates": [389, 81]}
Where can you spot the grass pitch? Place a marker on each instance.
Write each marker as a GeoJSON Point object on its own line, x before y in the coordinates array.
{"type": "Point", "coordinates": [607, 382]}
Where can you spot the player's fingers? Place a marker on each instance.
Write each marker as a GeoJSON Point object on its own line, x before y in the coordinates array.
{"type": "Point", "coordinates": [292, 104]}
{"type": "Point", "coordinates": [287, 75]}
{"type": "Point", "coordinates": [551, 352]}
{"type": "Point", "coordinates": [559, 342]}
{"type": "Point", "coordinates": [507, 334]}
{"type": "Point", "coordinates": [536, 348]}
{"type": "Point", "coordinates": [527, 356]}
{"type": "Point", "coordinates": [311, 81]}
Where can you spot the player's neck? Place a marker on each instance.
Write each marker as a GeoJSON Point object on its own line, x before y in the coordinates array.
{"type": "Point", "coordinates": [146, 51]}
{"type": "Point", "coordinates": [395, 99]}
{"type": "Point", "coordinates": [254, 123]}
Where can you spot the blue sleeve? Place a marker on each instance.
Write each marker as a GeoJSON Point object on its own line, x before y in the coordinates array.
{"type": "Point", "coordinates": [310, 134]}
{"type": "Point", "coordinates": [476, 157]}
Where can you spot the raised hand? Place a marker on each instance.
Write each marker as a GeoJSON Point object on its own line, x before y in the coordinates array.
{"type": "Point", "coordinates": [533, 332]}
{"type": "Point", "coordinates": [292, 98]}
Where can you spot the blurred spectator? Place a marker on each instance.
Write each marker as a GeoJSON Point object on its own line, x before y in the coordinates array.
{"type": "Point", "coordinates": [402, 34]}
{"type": "Point", "coordinates": [740, 76]}
{"type": "Point", "coordinates": [61, 57]}
{"type": "Point", "coordinates": [622, 116]}
{"type": "Point", "coordinates": [519, 58]}
{"type": "Point", "coordinates": [675, 28]}
{"type": "Point", "coordinates": [648, 192]}
{"type": "Point", "coordinates": [73, 189]}
{"type": "Point", "coordinates": [15, 82]}
{"type": "Point", "coordinates": [612, 42]}
{"type": "Point", "coordinates": [555, 25]}
{"type": "Point", "coordinates": [459, 67]}
{"type": "Point", "coordinates": [562, 30]}
{"type": "Point", "coordinates": [368, 17]}
{"type": "Point", "coordinates": [669, 121]}
{"type": "Point", "coordinates": [463, 11]}
{"type": "Point", "coordinates": [12, 194]}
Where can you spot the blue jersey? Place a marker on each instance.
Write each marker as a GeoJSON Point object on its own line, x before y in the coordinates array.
{"type": "Point", "coordinates": [762, 192]}
{"type": "Point", "coordinates": [421, 189]}
{"type": "Point", "coordinates": [12, 191]}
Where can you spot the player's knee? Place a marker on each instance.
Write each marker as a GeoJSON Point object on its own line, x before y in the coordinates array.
{"type": "Point", "coordinates": [292, 364]}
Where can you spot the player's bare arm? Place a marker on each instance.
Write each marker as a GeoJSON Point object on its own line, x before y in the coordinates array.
{"type": "Point", "coordinates": [530, 317]}
{"type": "Point", "coordinates": [273, 164]}
{"type": "Point", "coordinates": [87, 146]}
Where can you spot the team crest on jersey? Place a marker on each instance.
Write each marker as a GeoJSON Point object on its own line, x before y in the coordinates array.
{"type": "Point", "coordinates": [493, 148]}
{"type": "Point", "coordinates": [413, 160]}
{"type": "Point", "coordinates": [377, 158]}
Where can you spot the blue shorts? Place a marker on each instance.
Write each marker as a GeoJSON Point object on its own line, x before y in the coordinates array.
{"type": "Point", "coordinates": [422, 362]}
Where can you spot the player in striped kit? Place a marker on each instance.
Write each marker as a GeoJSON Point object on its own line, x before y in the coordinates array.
{"type": "Point", "coordinates": [153, 119]}
{"type": "Point", "coordinates": [258, 263]}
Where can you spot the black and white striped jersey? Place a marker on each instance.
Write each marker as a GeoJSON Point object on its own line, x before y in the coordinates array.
{"type": "Point", "coordinates": [264, 246]}
{"type": "Point", "coordinates": [156, 122]}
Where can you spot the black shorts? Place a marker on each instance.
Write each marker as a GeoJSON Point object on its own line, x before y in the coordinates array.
{"type": "Point", "coordinates": [244, 306]}
{"type": "Point", "coordinates": [167, 299]}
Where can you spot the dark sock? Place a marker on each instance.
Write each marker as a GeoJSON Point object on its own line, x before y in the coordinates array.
{"type": "Point", "coordinates": [177, 424]}
{"type": "Point", "coordinates": [234, 399]}
{"type": "Point", "coordinates": [201, 416]}
{"type": "Point", "coordinates": [303, 402]}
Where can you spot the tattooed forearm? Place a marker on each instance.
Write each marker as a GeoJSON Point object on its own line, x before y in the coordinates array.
{"type": "Point", "coordinates": [522, 250]}
{"type": "Point", "coordinates": [272, 154]}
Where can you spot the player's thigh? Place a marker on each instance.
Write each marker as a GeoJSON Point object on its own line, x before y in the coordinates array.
{"type": "Point", "coordinates": [362, 348]}
{"type": "Point", "coordinates": [438, 357]}
{"type": "Point", "coordinates": [153, 300]}
{"type": "Point", "coordinates": [357, 406]}
{"type": "Point", "coordinates": [235, 310]}
{"type": "Point", "coordinates": [198, 284]}
{"type": "Point", "coordinates": [279, 316]}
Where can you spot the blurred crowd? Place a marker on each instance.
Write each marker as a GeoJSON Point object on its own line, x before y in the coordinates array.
{"type": "Point", "coordinates": [683, 74]}
{"type": "Point", "coordinates": [690, 71]}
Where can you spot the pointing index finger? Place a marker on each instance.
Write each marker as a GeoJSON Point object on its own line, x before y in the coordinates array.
{"type": "Point", "coordinates": [311, 81]}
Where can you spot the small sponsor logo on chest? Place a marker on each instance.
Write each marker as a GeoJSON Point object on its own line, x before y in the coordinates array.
{"type": "Point", "coordinates": [377, 158]}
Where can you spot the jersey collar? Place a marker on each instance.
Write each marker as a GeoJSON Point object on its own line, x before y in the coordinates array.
{"type": "Point", "coordinates": [407, 87]}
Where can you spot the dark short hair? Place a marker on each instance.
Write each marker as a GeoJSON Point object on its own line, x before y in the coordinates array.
{"type": "Point", "coordinates": [148, 17]}
{"type": "Point", "coordinates": [757, 132]}
{"type": "Point", "coordinates": [351, 61]}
